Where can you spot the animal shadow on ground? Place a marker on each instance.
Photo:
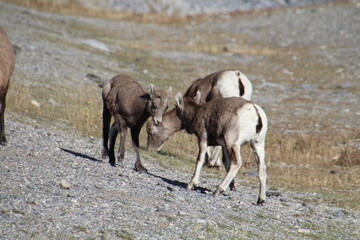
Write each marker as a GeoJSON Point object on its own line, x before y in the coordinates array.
{"type": "Point", "coordinates": [76, 154]}
{"type": "Point", "coordinates": [177, 183]}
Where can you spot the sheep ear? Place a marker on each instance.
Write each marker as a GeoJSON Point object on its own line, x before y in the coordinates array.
{"type": "Point", "coordinates": [151, 90]}
{"type": "Point", "coordinates": [179, 101]}
{"type": "Point", "coordinates": [197, 97]}
{"type": "Point", "coordinates": [169, 91]}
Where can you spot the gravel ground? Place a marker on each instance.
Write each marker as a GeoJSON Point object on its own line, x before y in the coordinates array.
{"type": "Point", "coordinates": [55, 186]}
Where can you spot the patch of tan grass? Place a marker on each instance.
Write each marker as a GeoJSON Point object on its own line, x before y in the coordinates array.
{"type": "Point", "coordinates": [299, 161]}
{"type": "Point", "coordinates": [349, 157]}
{"type": "Point", "coordinates": [58, 105]}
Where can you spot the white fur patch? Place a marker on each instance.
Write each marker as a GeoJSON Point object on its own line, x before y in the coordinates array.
{"type": "Point", "coordinates": [248, 119]}
{"type": "Point", "coordinates": [228, 85]}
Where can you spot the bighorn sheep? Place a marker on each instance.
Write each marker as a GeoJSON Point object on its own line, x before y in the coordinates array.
{"type": "Point", "coordinates": [229, 122]}
{"type": "Point", "coordinates": [126, 101]}
{"type": "Point", "coordinates": [221, 84]}
{"type": "Point", "coordinates": [7, 64]}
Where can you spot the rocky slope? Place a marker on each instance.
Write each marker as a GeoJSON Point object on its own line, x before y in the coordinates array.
{"type": "Point", "coordinates": [53, 184]}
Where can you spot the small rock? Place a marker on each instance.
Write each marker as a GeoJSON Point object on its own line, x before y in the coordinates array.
{"type": "Point", "coordinates": [309, 86]}
{"type": "Point", "coordinates": [65, 184]}
{"type": "Point", "coordinates": [35, 103]}
{"type": "Point", "coordinates": [344, 85]}
{"type": "Point", "coordinates": [96, 44]}
{"type": "Point", "coordinates": [303, 231]}
{"type": "Point", "coordinates": [17, 49]}
{"type": "Point", "coordinates": [336, 171]}
{"type": "Point", "coordinates": [201, 221]}
{"type": "Point", "coordinates": [306, 202]}
{"type": "Point", "coordinates": [287, 72]}
{"type": "Point", "coordinates": [52, 102]}
{"type": "Point", "coordinates": [182, 213]}
{"type": "Point", "coordinates": [253, 173]}
{"type": "Point", "coordinates": [340, 70]}
{"type": "Point", "coordinates": [273, 194]}
{"type": "Point", "coordinates": [339, 214]}
{"type": "Point", "coordinates": [93, 77]}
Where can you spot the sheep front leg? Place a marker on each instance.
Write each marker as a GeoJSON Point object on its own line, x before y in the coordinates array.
{"type": "Point", "coordinates": [135, 141]}
{"type": "Point", "coordinates": [199, 163]}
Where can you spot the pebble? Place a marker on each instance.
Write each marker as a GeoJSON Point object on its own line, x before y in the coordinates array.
{"type": "Point", "coordinates": [96, 44]}
{"type": "Point", "coordinates": [303, 231]}
{"type": "Point", "coordinates": [65, 184]}
{"type": "Point", "coordinates": [35, 103]}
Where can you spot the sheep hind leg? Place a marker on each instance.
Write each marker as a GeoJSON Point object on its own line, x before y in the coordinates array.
{"type": "Point", "coordinates": [214, 160]}
{"type": "Point", "coordinates": [106, 128]}
{"type": "Point", "coordinates": [113, 134]}
{"type": "Point", "coordinates": [121, 149]}
{"type": "Point", "coordinates": [118, 126]}
{"type": "Point", "coordinates": [235, 163]}
{"type": "Point", "coordinates": [2, 121]}
{"type": "Point", "coordinates": [259, 152]}
{"type": "Point", "coordinates": [226, 162]}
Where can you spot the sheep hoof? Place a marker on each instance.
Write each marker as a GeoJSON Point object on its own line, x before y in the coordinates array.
{"type": "Point", "coordinates": [190, 186]}
{"type": "Point", "coordinates": [141, 168]}
{"type": "Point", "coordinates": [218, 192]}
{"type": "Point", "coordinates": [260, 202]}
{"type": "Point", "coordinates": [104, 153]}
{"type": "Point", "coordinates": [120, 158]}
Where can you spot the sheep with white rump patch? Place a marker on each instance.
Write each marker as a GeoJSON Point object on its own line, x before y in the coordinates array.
{"type": "Point", "coordinates": [231, 123]}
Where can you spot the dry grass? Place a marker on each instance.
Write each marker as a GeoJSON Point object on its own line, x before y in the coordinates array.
{"type": "Point", "coordinates": [59, 105]}
{"type": "Point", "coordinates": [306, 162]}
{"type": "Point", "coordinates": [349, 157]}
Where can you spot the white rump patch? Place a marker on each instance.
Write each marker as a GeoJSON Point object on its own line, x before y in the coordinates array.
{"type": "Point", "coordinates": [228, 84]}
